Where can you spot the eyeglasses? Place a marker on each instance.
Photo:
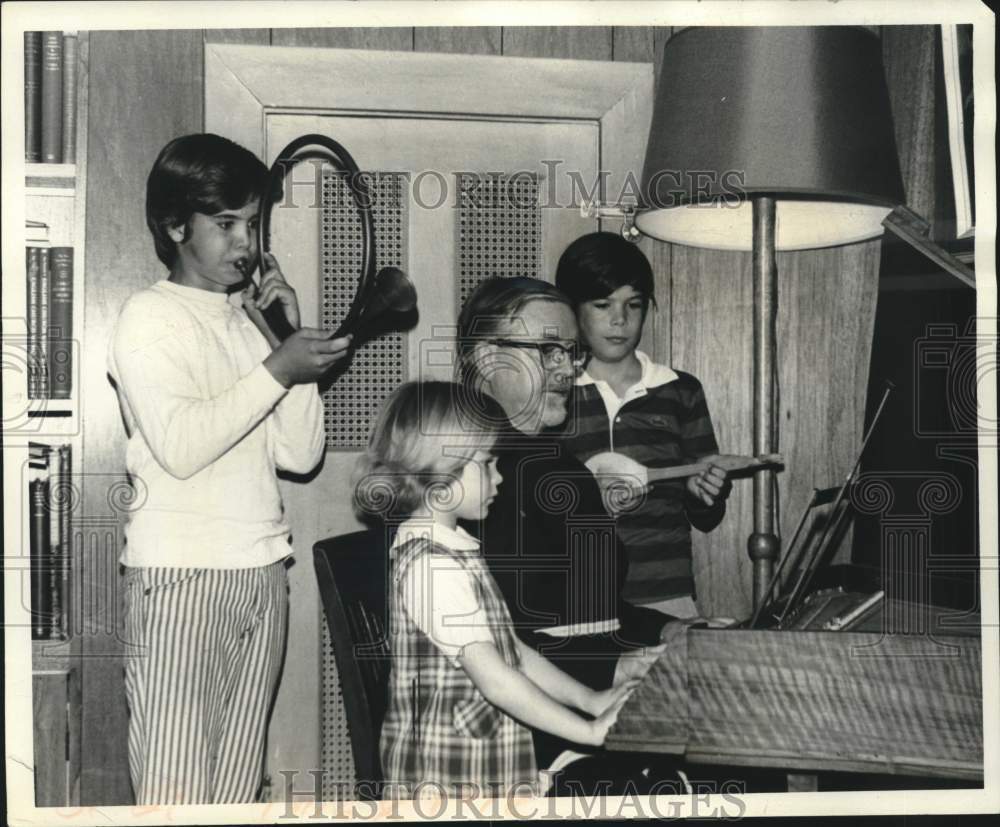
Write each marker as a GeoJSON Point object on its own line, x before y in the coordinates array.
{"type": "Point", "coordinates": [553, 352]}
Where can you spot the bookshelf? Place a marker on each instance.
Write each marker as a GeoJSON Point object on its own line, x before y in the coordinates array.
{"type": "Point", "coordinates": [42, 435]}
{"type": "Point", "coordinates": [50, 179]}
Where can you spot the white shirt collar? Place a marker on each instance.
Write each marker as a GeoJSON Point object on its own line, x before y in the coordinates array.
{"type": "Point", "coordinates": [653, 375]}
{"type": "Point", "coordinates": [208, 299]}
{"type": "Point", "coordinates": [457, 539]}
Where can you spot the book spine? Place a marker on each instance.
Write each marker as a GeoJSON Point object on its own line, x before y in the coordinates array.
{"type": "Point", "coordinates": [32, 96]}
{"type": "Point", "coordinates": [52, 89]}
{"type": "Point", "coordinates": [60, 364]}
{"type": "Point", "coordinates": [53, 568]}
{"type": "Point", "coordinates": [39, 553]}
{"type": "Point", "coordinates": [69, 99]}
{"type": "Point", "coordinates": [65, 501]}
{"type": "Point", "coordinates": [32, 255]}
{"type": "Point", "coordinates": [42, 359]}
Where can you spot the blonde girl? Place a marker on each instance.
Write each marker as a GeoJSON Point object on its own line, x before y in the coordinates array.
{"type": "Point", "coordinates": [463, 689]}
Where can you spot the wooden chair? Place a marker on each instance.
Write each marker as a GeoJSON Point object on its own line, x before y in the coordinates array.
{"type": "Point", "coordinates": [352, 571]}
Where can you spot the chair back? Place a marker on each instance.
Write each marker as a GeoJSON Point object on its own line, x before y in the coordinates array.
{"type": "Point", "coordinates": [352, 571]}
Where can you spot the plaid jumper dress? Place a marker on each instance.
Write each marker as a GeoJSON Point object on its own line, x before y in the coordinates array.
{"type": "Point", "coordinates": [439, 729]}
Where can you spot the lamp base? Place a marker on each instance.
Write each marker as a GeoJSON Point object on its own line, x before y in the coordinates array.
{"type": "Point", "coordinates": [763, 549]}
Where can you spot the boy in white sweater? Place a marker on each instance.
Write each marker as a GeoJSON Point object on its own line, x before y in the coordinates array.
{"type": "Point", "coordinates": [212, 404]}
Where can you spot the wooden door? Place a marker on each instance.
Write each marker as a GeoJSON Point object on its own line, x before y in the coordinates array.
{"type": "Point", "coordinates": [455, 201]}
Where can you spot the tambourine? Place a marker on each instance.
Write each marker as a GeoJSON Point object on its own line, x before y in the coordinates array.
{"type": "Point", "coordinates": [388, 291]}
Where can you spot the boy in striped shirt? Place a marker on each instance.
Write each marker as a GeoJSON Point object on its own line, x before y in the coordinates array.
{"type": "Point", "coordinates": [627, 403]}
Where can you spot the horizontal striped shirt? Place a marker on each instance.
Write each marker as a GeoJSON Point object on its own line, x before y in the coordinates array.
{"type": "Point", "coordinates": [661, 421]}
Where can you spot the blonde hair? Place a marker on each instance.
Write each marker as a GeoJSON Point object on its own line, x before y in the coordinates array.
{"type": "Point", "coordinates": [425, 433]}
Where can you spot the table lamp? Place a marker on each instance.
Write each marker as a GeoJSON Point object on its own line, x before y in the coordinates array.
{"type": "Point", "coordinates": [769, 139]}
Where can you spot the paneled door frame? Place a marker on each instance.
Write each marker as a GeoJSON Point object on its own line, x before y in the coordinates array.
{"type": "Point", "coordinates": [243, 83]}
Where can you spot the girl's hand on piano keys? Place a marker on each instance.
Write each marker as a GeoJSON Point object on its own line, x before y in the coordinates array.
{"type": "Point", "coordinates": [599, 702]}
{"type": "Point", "coordinates": [633, 665]}
{"type": "Point", "coordinates": [707, 486]}
{"type": "Point", "coordinates": [602, 723]}
{"type": "Point", "coordinates": [675, 630]}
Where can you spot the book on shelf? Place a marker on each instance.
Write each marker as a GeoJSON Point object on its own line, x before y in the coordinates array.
{"type": "Point", "coordinates": [49, 540]}
{"type": "Point", "coordinates": [53, 568]}
{"type": "Point", "coordinates": [49, 315]}
{"type": "Point", "coordinates": [37, 312]}
{"type": "Point", "coordinates": [50, 70]}
{"type": "Point", "coordinates": [59, 367]}
{"type": "Point", "coordinates": [33, 96]}
{"type": "Point", "coordinates": [41, 604]}
{"type": "Point", "coordinates": [52, 91]}
{"type": "Point", "coordinates": [64, 501]}
{"type": "Point", "coordinates": [69, 98]}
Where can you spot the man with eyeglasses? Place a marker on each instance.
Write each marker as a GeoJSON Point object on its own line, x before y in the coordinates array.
{"type": "Point", "coordinates": [550, 544]}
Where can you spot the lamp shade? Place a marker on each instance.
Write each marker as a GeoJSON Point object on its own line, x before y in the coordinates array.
{"type": "Point", "coordinates": [798, 114]}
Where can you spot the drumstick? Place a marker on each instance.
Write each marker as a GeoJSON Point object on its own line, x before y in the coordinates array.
{"type": "Point", "coordinates": [609, 463]}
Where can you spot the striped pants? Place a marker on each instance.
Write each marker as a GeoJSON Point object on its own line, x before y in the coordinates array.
{"type": "Point", "coordinates": [203, 660]}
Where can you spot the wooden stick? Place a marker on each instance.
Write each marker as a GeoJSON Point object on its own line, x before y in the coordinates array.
{"type": "Point", "coordinates": [728, 462]}
{"type": "Point", "coordinates": [609, 464]}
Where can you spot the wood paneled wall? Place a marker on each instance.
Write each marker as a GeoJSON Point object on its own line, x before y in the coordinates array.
{"type": "Point", "coordinates": [826, 314]}
{"type": "Point", "coordinates": [911, 55]}
{"type": "Point", "coordinates": [147, 87]}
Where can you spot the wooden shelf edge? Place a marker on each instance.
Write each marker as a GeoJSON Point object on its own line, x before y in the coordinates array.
{"type": "Point", "coordinates": [48, 171]}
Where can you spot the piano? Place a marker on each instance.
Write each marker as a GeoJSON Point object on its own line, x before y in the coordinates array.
{"type": "Point", "coordinates": [869, 700]}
